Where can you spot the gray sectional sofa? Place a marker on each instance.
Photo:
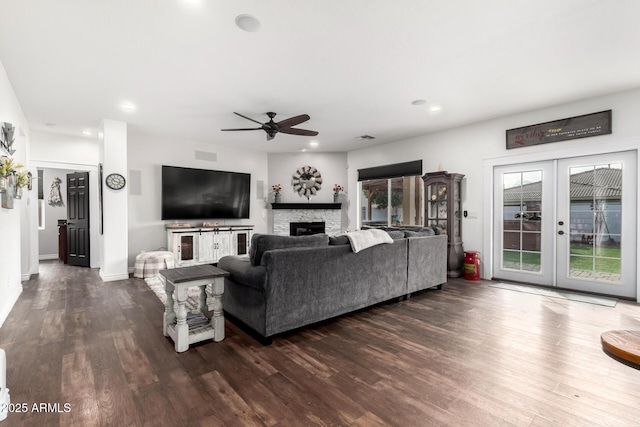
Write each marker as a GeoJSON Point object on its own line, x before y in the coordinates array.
{"type": "Point", "coordinates": [289, 282]}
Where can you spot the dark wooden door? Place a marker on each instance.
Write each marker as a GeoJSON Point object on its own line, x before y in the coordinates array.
{"type": "Point", "coordinates": [78, 219]}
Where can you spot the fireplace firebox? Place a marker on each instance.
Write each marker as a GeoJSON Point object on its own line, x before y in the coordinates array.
{"type": "Point", "coordinates": [305, 228]}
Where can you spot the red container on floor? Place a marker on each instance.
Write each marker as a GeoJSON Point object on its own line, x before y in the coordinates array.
{"type": "Point", "coordinates": [471, 265]}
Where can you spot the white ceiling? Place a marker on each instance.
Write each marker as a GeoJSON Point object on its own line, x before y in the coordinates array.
{"type": "Point", "coordinates": [354, 66]}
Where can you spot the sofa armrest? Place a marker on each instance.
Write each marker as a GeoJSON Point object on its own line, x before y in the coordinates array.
{"type": "Point", "coordinates": [427, 262]}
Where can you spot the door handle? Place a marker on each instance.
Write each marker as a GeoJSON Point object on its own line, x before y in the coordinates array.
{"type": "Point", "coordinates": [561, 232]}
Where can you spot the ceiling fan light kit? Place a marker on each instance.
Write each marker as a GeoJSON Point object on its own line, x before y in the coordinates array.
{"type": "Point", "coordinates": [283, 126]}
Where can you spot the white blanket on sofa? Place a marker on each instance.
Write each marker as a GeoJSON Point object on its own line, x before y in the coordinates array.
{"type": "Point", "coordinates": [363, 239]}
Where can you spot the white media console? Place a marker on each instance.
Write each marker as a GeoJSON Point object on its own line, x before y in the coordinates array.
{"type": "Point", "coordinates": [206, 245]}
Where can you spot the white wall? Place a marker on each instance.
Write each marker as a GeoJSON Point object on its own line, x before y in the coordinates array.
{"type": "Point", "coordinates": [147, 154]}
{"type": "Point", "coordinates": [467, 149]}
{"type": "Point", "coordinates": [15, 247]}
{"type": "Point", "coordinates": [48, 147]}
{"type": "Point", "coordinates": [333, 168]}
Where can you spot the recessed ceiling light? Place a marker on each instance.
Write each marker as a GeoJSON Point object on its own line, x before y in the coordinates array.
{"type": "Point", "coordinates": [435, 109]}
{"type": "Point", "coordinates": [86, 132]}
{"type": "Point", "coordinates": [313, 144]}
{"type": "Point", "coordinates": [304, 150]}
{"type": "Point", "coordinates": [366, 137]}
{"type": "Point", "coordinates": [419, 102]}
{"type": "Point", "coordinates": [248, 23]}
{"type": "Point", "coordinates": [128, 107]}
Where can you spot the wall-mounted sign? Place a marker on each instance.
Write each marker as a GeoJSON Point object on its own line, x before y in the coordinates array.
{"type": "Point", "coordinates": [560, 130]}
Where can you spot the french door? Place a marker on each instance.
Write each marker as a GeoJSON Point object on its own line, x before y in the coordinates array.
{"type": "Point", "coordinates": [569, 223]}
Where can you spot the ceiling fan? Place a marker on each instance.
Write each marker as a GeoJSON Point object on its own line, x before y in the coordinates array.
{"type": "Point", "coordinates": [284, 126]}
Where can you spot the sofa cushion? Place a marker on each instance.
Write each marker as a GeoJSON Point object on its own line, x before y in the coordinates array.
{"type": "Point", "coordinates": [260, 243]}
{"type": "Point", "coordinates": [339, 240]}
{"type": "Point", "coordinates": [424, 232]}
{"type": "Point", "coordinates": [241, 271]}
{"type": "Point", "coordinates": [396, 234]}
{"type": "Point", "coordinates": [437, 230]}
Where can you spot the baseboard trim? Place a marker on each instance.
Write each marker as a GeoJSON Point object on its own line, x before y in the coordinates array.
{"type": "Point", "coordinates": [113, 277]}
{"type": "Point", "coordinates": [6, 308]}
{"type": "Point", "coordinates": [46, 257]}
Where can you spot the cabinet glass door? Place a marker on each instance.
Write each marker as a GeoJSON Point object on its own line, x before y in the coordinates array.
{"type": "Point", "coordinates": [456, 209]}
{"type": "Point", "coordinates": [186, 248]}
{"type": "Point", "coordinates": [241, 243]}
{"type": "Point", "coordinates": [437, 206]}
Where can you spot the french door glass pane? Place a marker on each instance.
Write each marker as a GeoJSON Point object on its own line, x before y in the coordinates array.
{"type": "Point", "coordinates": [595, 217]}
{"type": "Point", "coordinates": [521, 216]}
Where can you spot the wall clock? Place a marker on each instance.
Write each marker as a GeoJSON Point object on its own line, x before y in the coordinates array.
{"type": "Point", "coordinates": [307, 181]}
{"type": "Point", "coordinates": [115, 181]}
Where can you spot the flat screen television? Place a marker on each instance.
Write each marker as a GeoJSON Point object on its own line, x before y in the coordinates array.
{"type": "Point", "coordinates": [204, 194]}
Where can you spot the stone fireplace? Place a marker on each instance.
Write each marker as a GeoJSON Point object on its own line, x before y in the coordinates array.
{"type": "Point", "coordinates": [306, 215]}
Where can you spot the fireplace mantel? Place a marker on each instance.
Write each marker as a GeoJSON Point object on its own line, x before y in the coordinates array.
{"type": "Point", "coordinates": [302, 206]}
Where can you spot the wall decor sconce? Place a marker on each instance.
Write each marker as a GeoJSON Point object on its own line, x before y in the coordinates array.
{"type": "Point", "coordinates": [23, 180]}
{"type": "Point", "coordinates": [8, 170]}
{"type": "Point", "coordinates": [7, 138]}
{"type": "Point", "coordinates": [18, 192]}
{"type": "Point", "coordinates": [8, 195]}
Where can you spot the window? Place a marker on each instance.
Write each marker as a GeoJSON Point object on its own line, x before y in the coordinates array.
{"type": "Point", "coordinates": [391, 195]}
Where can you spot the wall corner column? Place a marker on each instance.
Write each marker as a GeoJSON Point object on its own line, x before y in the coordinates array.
{"type": "Point", "coordinates": [115, 241]}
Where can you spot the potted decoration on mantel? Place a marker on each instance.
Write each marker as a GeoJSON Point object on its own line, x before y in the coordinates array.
{"type": "Point", "coordinates": [337, 189]}
{"type": "Point", "coordinates": [277, 188]}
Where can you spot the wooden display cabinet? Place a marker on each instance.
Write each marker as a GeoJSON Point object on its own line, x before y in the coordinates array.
{"type": "Point", "coordinates": [443, 209]}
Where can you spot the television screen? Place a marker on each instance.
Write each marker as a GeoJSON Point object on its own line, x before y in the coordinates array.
{"type": "Point", "coordinates": [204, 194]}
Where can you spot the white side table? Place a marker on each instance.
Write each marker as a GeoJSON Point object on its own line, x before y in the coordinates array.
{"type": "Point", "coordinates": [199, 326]}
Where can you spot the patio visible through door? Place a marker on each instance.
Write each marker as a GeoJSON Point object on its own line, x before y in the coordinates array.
{"type": "Point", "coordinates": [569, 223]}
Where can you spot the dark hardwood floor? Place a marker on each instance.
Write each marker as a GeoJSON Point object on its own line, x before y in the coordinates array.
{"type": "Point", "coordinates": [469, 355]}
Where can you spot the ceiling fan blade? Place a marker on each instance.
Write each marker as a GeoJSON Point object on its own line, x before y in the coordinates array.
{"type": "Point", "coordinates": [303, 132]}
{"type": "Point", "coordinates": [248, 118]}
{"type": "Point", "coordinates": [287, 123]}
{"type": "Point", "coordinates": [244, 129]}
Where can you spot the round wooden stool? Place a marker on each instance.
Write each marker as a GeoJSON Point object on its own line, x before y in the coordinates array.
{"type": "Point", "coordinates": [623, 345]}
